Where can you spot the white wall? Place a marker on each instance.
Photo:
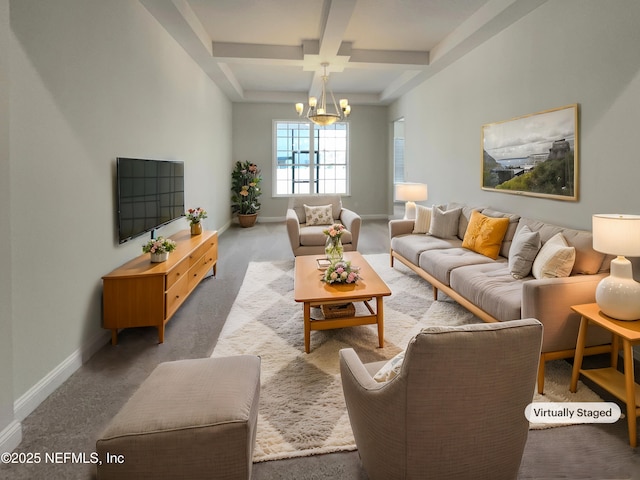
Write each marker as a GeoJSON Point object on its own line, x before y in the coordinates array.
{"type": "Point", "coordinates": [369, 156]}
{"type": "Point", "coordinates": [91, 81]}
{"type": "Point", "coordinates": [564, 52]}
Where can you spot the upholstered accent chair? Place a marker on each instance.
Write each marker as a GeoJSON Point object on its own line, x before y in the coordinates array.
{"type": "Point", "coordinates": [309, 239]}
{"type": "Point", "coordinates": [456, 408]}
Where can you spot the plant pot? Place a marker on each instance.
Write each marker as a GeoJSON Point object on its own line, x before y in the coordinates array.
{"type": "Point", "coordinates": [247, 220]}
{"type": "Point", "coordinates": [196, 228]}
{"type": "Point", "coordinates": [159, 257]}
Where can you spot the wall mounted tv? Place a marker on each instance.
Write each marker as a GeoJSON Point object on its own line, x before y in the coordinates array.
{"type": "Point", "coordinates": [150, 194]}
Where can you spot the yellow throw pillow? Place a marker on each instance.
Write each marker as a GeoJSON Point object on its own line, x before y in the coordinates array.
{"type": "Point", "coordinates": [484, 234]}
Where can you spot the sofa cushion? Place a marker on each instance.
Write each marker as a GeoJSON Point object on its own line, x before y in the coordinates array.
{"type": "Point", "coordinates": [555, 259]}
{"type": "Point", "coordinates": [491, 287]}
{"type": "Point", "coordinates": [423, 219]}
{"type": "Point", "coordinates": [484, 234]}
{"type": "Point", "coordinates": [314, 235]}
{"type": "Point", "coordinates": [524, 248]}
{"type": "Point", "coordinates": [440, 263]}
{"type": "Point", "coordinates": [465, 215]}
{"type": "Point", "coordinates": [411, 246]}
{"type": "Point", "coordinates": [588, 261]}
{"type": "Point", "coordinates": [318, 214]}
{"type": "Point", "coordinates": [444, 223]}
{"type": "Point", "coordinates": [511, 231]}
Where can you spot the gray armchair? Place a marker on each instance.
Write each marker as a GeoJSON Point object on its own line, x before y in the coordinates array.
{"type": "Point", "coordinates": [309, 240]}
{"type": "Point", "coordinates": [456, 408]}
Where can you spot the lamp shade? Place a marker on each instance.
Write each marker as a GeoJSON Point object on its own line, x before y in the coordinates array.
{"type": "Point", "coordinates": [615, 234]}
{"type": "Point", "coordinates": [410, 192]}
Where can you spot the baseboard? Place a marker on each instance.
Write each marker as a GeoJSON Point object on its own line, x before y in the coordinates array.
{"type": "Point", "coordinates": [28, 402]}
{"type": "Point", "coordinates": [11, 436]}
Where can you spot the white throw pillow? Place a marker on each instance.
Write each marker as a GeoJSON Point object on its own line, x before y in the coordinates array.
{"type": "Point", "coordinates": [444, 224]}
{"type": "Point", "coordinates": [524, 249]}
{"type": "Point", "coordinates": [318, 214]}
{"type": "Point", "coordinates": [391, 369]}
{"type": "Point", "coordinates": [423, 219]}
{"type": "Point", "coordinates": [555, 259]}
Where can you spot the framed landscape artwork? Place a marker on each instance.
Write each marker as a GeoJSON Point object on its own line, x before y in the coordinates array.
{"type": "Point", "coordinates": [535, 155]}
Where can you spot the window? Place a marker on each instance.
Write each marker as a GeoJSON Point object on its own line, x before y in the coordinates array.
{"type": "Point", "coordinates": [301, 169]}
{"type": "Point", "coordinates": [398, 151]}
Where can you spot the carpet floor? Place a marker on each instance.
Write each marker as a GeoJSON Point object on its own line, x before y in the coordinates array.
{"type": "Point", "coordinates": [302, 409]}
{"type": "Point", "coordinates": [72, 418]}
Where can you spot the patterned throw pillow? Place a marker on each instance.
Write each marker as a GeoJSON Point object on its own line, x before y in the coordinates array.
{"type": "Point", "coordinates": [391, 369]}
{"type": "Point", "coordinates": [318, 214]}
{"type": "Point", "coordinates": [555, 259]}
{"type": "Point", "coordinates": [423, 219]}
{"type": "Point", "coordinates": [484, 234]}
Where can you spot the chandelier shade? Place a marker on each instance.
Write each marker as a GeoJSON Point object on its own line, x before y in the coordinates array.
{"type": "Point", "coordinates": [319, 112]}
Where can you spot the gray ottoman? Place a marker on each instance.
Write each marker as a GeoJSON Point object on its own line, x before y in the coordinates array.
{"type": "Point", "coordinates": [190, 419]}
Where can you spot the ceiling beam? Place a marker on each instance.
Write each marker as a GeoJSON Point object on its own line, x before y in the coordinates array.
{"type": "Point", "coordinates": [179, 20]}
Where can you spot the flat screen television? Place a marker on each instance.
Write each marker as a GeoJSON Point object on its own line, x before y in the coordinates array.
{"type": "Point", "coordinates": [150, 194]}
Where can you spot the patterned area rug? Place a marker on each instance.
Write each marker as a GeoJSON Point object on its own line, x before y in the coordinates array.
{"type": "Point", "coordinates": [302, 409]}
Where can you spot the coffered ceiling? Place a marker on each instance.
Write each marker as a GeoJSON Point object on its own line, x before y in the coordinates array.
{"type": "Point", "coordinates": [272, 50]}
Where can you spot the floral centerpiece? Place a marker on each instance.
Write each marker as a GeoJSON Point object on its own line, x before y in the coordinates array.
{"type": "Point", "coordinates": [245, 185]}
{"type": "Point", "coordinates": [333, 248]}
{"type": "Point", "coordinates": [341, 272]}
{"type": "Point", "coordinates": [194, 216]}
{"type": "Point", "coordinates": [159, 248]}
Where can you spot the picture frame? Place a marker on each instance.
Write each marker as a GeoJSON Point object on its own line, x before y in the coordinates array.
{"type": "Point", "coordinates": [534, 155]}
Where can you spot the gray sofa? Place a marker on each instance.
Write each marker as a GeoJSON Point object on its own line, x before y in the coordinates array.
{"type": "Point", "coordinates": [487, 288]}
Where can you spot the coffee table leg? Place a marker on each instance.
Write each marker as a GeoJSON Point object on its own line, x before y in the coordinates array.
{"type": "Point", "coordinates": [307, 327]}
{"type": "Point", "coordinates": [380, 315]}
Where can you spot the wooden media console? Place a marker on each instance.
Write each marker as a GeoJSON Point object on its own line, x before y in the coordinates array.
{"type": "Point", "coordinates": [145, 294]}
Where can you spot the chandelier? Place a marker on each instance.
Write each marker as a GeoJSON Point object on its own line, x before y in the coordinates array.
{"type": "Point", "coordinates": [318, 112]}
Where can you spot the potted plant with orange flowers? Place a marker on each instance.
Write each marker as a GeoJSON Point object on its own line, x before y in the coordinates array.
{"type": "Point", "coordinates": [245, 185]}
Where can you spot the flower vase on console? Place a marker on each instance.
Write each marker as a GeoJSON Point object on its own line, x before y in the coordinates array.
{"type": "Point", "coordinates": [196, 228]}
{"type": "Point", "coordinates": [195, 217]}
{"type": "Point", "coordinates": [333, 247]}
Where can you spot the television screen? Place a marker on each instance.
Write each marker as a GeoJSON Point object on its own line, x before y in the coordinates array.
{"type": "Point", "coordinates": [150, 194]}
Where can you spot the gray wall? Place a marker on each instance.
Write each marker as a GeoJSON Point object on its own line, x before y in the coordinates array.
{"type": "Point", "coordinates": [90, 81]}
{"type": "Point", "coordinates": [8, 428]}
{"type": "Point", "coordinates": [368, 132]}
{"type": "Point", "coordinates": [564, 52]}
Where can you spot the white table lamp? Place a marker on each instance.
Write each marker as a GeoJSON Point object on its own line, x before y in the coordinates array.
{"type": "Point", "coordinates": [410, 193]}
{"type": "Point", "coordinates": [618, 295]}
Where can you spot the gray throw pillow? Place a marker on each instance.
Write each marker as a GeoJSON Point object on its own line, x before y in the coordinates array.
{"type": "Point", "coordinates": [524, 248]}
{"type": "Point", "coordinates": [444, 224]}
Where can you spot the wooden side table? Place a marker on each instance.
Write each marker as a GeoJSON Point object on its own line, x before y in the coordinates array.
{"type": "Point", "coordinates": [622, 386]}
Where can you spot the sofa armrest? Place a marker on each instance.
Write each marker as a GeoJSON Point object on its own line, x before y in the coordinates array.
{"type": "Point", "coordinates": [400, 227]}
{"type": "Point", "coordinates": [352, 221]}
{"type": "Point", "coordinates": [293, 229]}
{"type": "Point", "coordinates": [550, 301]}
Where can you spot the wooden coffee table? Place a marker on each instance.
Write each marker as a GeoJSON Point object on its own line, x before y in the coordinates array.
{"type": "Point", "coordinates": [310, 290]}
